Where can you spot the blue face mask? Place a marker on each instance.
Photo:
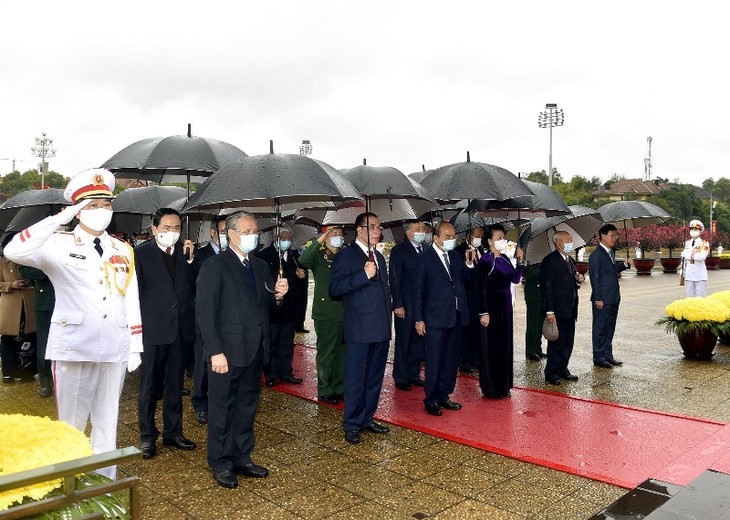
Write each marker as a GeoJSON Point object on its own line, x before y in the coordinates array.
{"type": "Point", "coordinates": [337, 242]}
{"type": "Point", "coordinates": [284, 245]}
{"type": "Point", "coordinates": [449, 244]}
{"type": "Point", "coordinates": [419, 238]}
{"type": "Point", "coordinates": [569, 248]}
{"type": "Point", "coordinates": [223, 241]}
{"type": "Point", "coordinates": [248, 242]}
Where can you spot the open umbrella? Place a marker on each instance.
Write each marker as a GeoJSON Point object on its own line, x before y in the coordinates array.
{"type": "Point", "coordinates": [177, 158]}
{"type": "Point", "coordinates": [28, 207]}
{"type": "Point", "coordinates": [537, 237]}
{"type": "Point", "coordinates": [632, 214]}
{"type": "Point", "coordinates": [544, 202]}
{"type": "Point", "coordinates": [134, 207]}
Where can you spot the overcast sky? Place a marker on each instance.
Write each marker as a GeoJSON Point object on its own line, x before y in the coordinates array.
{"type": "Point", "coordinates": [402, 84]}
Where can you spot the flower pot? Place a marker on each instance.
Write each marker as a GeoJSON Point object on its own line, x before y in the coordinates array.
{"type": "Point", "coordinates": [643, 265]}
{"type": "Point", "coordinates": [698, 345]}
{"type": "Point", "coordinates": [670, 265]}
{"type": "Point", "coordinates": [724, 263]}
{"type": "Point", "coordinates": [581, 267]}
{"type": "Point", "coordinates": [712, 263]}
{"type": "Point", "coordinates": [725, 340]}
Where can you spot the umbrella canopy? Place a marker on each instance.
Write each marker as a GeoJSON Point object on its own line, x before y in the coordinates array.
{"type": "Point", "coordinates": [633, 213]}
{"type": "Point", "coordinates": [474, 180]}
{"type": "Point", "coordinates": [418, 176]}
{"type": "Point", "coordinates": [28, 198]}
{"type": "Point", "coordinates": [28, 207]}
{"type": "Point", "coordinates": [544, 202]}
{"type": "Point", "coordinates": [462, 222]}
{"type": "Point", "coordinates": [147, 200]}
{"type": "Point", "coordinates": [537, 237]}
{"type": "Point", "coordinates": [388, 211]}
{"type": "Point", "coordinates": [177, 158]}
{"type": "Point", "coordinates": [272, 183]}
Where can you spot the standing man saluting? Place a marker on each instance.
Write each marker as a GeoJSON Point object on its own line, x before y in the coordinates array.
{"type": "Point", "coordinates": [96, 328]}
{"type": "Point", "coordinates": [359, 276]}
{"type": "Point", "coordinates": [235, 293]}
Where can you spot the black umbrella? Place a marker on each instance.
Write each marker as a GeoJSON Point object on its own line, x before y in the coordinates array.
{"type": "Point", "coordinates": [544, 202]}
{"type": "Point", "coordinates": [134, 207]}
{"type": "Point", "coordinates": [633, 214]}
{"type": "Point", "coordinates": [463, 221]}
{"type": "Point", "coordinates": [177, 158]}
{"type": "Point", "coordinates": [28, 198]}
{"type": "Point", "coordinates": [419, 176]}
{"type": "Point", "coordinates": [537, 237]}
{"type": "Point", "coordinates": [28, 207]}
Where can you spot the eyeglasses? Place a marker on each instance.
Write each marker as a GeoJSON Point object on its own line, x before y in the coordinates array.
{"type": "Point", "coordinates": [373, 227]}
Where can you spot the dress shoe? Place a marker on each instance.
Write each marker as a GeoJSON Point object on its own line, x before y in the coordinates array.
{"type": "Point", "coordinates": [492, 396]}
{"type": "Point", "coordinates": [271, 381]}
{"type": "Point", "coordinates": [450, 405]}
{"type": "Point", "coordinates": [603, 364]}
{"type": "Point", "coordinates": [377, 428]}
{"type": "Point", "coordinates": [553, 381]}
{"type": "Point", "coordinates": [416, 382]}
{"type": "Point", "coordinates": [251, 470]}
{"type": "Point", "coordinates": [433, 409]}
{"type": "Point", "coordinates": [45, 391]}
{"type": "Point", "coordinates": [534, 357]}
{"type": "Point", "coordinates": [570, 377]}
{"type": "Point", "coordinates": [406, 387]}
{"type": "Point", "coordinates": [507, 395]}
{"type": "Point", "coordinates": [226, 479]}
{"type": "Point", "coordinates": [185, 391]}
{"type": "Point", "coordinates": [303, 331]}
{"type": "Point", "coordinates": [148, 450]}
{"type": "Point", "coordinates": [180, 442]}
{"type": "Point", "coordinates": [202, 417]}
{"type": "Point", "coordinates": [615, 362]}
{"type": "Point", "coordinates": [293, 379]}
{"type": "Point", "coordinates": [327, 399]}
{"type": "Point", "coordinates": [467, 368]}
{"type": "Point", "coordinates": [7, 379]}
{"type": "Point", "coordinates": [352, 436]}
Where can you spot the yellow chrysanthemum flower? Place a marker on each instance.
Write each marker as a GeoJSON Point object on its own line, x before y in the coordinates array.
{"type": "Point", "coordinates": [698, 309]}
{"type": "Point", "coordinates": [722, 296]}
{"type": "Point", "coordinates": [31, 442]}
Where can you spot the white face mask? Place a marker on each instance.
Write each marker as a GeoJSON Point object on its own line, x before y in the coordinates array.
{"type": "Point", "coordinates": [500, 245]}
{"type": "Point", "coordinates": [418, 238]}
{"type": "Point", "coordinates": [248, 242]}
{"type": "Point", "coordinates": [96, 219]}
{"type": "Point", "coordinates": [337, 242]}
{"type": "Point", "coordinates": [694, 233]}
{"type": "Point", "coordinates": [449, 244]}
{"type": "Point", "coordinates": [476, 242]}
{"type": "Point", "coordinates": [168, 238]}
{"type": "Point", "coordinates": [223, 241]}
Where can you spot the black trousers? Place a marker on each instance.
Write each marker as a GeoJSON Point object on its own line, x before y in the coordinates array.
{"type": "Point", "coordinates": [163, 367]}
{"type": "Point", "coordinates": [559, 351]}
{"type": "Point", "coordinates": [233, 399]}
{"type": "Point", "coordinates": [200, 376]}
{"type": "Point", "coordinates": [408, 352]}
{"type": "Point", "coordinates": [281, 350]}
{"type": "Point", "coordinates": [442, 361]}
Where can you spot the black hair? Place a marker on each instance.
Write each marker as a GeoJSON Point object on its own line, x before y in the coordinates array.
{"type": "Point", "coordinates": [606, 229]}
{"type": "Point", "coordinates": [489, 231]}
{"type": "Point", "coordinates": [162, 212]}
{"type": "Point", "coordinates": [217, 220]}
{"type": "Point", "coordinates": [362, 218]}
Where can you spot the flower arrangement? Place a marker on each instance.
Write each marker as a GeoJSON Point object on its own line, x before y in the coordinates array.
{"type": "Point", "coordinates": [32, 442]}
{"type": "Point", "coordinates": [722, 297]}
{"type": "Point", "coordinates": [696, 314]}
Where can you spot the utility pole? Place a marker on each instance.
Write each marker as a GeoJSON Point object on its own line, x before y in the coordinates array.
{"type": "Point", "coordinates": [647, 161]}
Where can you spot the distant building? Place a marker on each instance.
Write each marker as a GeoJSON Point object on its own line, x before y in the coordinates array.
{"type": "Point", "coordinates": [629, 189]}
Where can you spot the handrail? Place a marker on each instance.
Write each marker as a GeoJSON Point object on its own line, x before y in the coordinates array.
{"type": "Point", "coordinates": [68, 470]}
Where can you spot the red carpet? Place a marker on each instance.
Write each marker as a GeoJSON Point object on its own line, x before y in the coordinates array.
{"type": "Point", "coordinates": [604, 441]}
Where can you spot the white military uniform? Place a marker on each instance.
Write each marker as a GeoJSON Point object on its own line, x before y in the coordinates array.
{"type": "Point", "coordinates": [96, 322]}
{"type": "Point", "coordinates": [694, 269]}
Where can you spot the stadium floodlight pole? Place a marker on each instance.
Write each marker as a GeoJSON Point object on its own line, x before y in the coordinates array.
{"type": "Point", "coordinates": [43, 148]}
{"type": "Point", "coordinates": [550, 117]}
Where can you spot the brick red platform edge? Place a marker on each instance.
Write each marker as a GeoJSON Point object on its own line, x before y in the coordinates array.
{"type": "Point", "coordinates": [609, 442]}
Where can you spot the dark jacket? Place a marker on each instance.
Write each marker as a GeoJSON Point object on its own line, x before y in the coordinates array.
{"type": "Point", "coordinates": [290, 309]}
{"type": "Point", "coordinates": [368, 308]}
{"type": "Point", "coordinates": [604, 276]}
{"type": "Point", "coordinates": [402, 282]}
{"type": "Point", "coordinates": [167, 305]}
{"type": "Point", "coordinates": [437, 294]}
{"type": "Point", "coordinates": [558, 286]}
{"type": "Point", "coordinates": [44, 297]}
{"type": "Point", "coordinates": [233, 319]}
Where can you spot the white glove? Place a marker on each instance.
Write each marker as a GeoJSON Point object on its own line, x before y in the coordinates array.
{"type": "Point", "coordinates": [69, 212]}
{"type": "Point", "coordinates": [135, 360]}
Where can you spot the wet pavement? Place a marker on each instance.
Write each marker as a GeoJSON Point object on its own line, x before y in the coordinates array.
{"type": "Point", "coordinates": [405, 474]}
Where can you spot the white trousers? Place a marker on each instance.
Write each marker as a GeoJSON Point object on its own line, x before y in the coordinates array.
{"type": "Point", "coordinates": [88, 390]}
{"type": "Point", "coordinates": [697, 288]}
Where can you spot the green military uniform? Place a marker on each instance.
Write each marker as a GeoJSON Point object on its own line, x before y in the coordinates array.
{"type": "Point", "coordinates": [44, 299]}
{"type": "Point", "coordinates": [533, 301]}
{"type": "Point", "coordinates": [327, 315]}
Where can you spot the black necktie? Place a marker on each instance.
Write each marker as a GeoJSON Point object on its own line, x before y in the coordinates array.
{"type": "Point", "coordinates": [419, 249]}
{"type": "Point", "coordinates": [249, 275]}
{"type": "Point", "coordinates": [448, 265]}
{"type": "Point", "coordinates": [245, 263]}
{"type": "Point", "coordinates": [97, 246]}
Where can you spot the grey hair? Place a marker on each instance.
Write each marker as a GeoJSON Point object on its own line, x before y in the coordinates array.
{"type": "Point", "coordinates": [284, 227]}
{"type": "Point", "coordinates": [233, 219]}
{"type": "Point", "coordinates": [558, 234]}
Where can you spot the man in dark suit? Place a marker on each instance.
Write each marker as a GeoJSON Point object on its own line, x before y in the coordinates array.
{"type": "Point", "coordinates": [167, 301]}
{"type": "Point", "coordinates": [559, 283]}
{"type": "Point", "coordinates": [235, 294]}
{"type": "Point", "coordinates": [282, 260]}
{"type": "Point", "coordinates": [469, 349]}
{"type": "Point", "coordinates": [603, 269]}
{"type": "Point", "coordinates": [408, 352]}
{"type": "Point", "coordinates": [218, 242]}
{"type": "Point", "coordinates": [440, 312]}
{"type": "Point", "coordinates": [360, 277]}
{"type": "Point", "coordinates": [44, 300]}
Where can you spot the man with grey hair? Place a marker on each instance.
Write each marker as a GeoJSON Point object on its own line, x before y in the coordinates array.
{"type": "Point", "coordinates": [235, 292]}
{"type": "Point", "coordinates": [559, 283]}
{"type": "Point", "coordinates": [408, 352]}
{"type": "Point", "coordinates": [282, 262]}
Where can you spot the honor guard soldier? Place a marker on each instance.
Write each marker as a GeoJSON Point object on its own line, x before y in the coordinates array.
{"type": "Point", "coordinates": [96, 328]}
